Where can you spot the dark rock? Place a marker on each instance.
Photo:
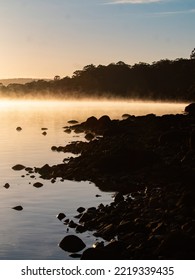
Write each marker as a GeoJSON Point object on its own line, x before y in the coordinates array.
{"type": "Point", "coordinates": [72, 224]}
{"type": "Point", "coordinates": [29, 169]}
{"type": "Point", "coordinates": [104, 121]}
{"type": "Point", "coordinates": [125, 116]}
{"type": "Point", "coordinates": [18, 167]}
{"type": "Point", "coordinates": [118, 197]}
{"type": "Point", "coordinates": [86, 217]}
{"type": "Point", "coordinates": [6, 186]}
{"type": "Point", "coordinates": [45, 170]}
{"type": "Point", "coordinates": [115, 247]}
{"type": "Point", "coordinates": [75, 256]}
{"type": "Point", "coordinates": [44, 128]}
{"type": "Point", "coordinates": [192, 140]}
{"type": "Point", "coordinates": [91, 122]}
{"type": "Point", "coordinates": [78, 130]}
{"type": "Point", "coordinates": [81, 209]}
{"type": "Point", "coordinates": [72, 243]}
{"type": "Point", "coordinates": [37, 185]}
{"type": "Point", "coordinates": [61, 216]}
{"type": "Point", "coordinates": [80, 229]}
{"type": "Point", "coordinates": [91, 209]}
{"type": "Point", "coordinates": [44, 133]}
{"type": "Point", "coordinates": [177, 245]}
{"type": "Point", "coordinates": [66, 221]}
{"type": "Point", "coordinates": [18, 128]}
{"type": "Point", "coordinates": [72, 121]}
{"type": "Point", "coordinates": [125, 226]}
{"type": "Point", "coordinates": [78, 216]}
{"type": "Point", "coordinates": [18, 208]}
{"type": "Point", "coordinates": [107, 231]}
{"type": "Point", "coordinates": [96, 254]}
{"type": "Point", "coordinates": [190, 109]}
{"type": "Point", "coordinates": [98, 244]}
{"type": "Point", "coordinates": [67, 130]}
{"type": "Point", "coordinates": [89, 136]}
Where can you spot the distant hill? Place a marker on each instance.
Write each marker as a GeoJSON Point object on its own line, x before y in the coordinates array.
{"type": "Point", "coordinates": [6, 82]}
{"type": "Point", "coordinates": [21, 81]}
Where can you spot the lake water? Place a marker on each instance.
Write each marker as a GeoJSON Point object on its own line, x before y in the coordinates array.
{"type": "Point", "coordinates": [34, 232]}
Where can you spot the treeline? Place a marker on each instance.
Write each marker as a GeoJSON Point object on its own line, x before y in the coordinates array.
{"type": "Point", "coordinates": [161, 80]}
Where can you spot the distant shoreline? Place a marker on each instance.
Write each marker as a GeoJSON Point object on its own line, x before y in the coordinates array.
{"type": "Point", "coordinates": [162, 80]}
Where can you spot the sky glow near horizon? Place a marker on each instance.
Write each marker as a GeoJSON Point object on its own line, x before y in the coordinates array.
{"type": "Point", "coordinates": [44, 38]}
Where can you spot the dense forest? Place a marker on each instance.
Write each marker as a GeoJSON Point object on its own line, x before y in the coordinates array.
{"type": "Point", "coordinates": [161, 80]}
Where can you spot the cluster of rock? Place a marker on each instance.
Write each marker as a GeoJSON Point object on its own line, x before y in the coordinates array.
{"type": "Point", "coordinates": [151, 224]}
{"type": "Point", "coordinates": [149, 159]}
{"type": "Point", "coordinates": [130, 153]}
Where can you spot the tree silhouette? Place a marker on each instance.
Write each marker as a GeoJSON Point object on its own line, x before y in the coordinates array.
{"type": "Point", "coordinates": [56, 78]}
{"type": "Point", "coordinates": [192, 56]}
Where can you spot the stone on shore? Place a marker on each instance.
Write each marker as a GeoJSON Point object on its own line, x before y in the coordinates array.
{"type": "Point", "coordinates": [72, 243]}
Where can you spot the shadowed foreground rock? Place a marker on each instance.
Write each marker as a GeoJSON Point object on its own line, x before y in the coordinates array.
{"type": "Point", "coordinates": [72, 243]}
{"type": "Point", "coordinates": [150, 162]}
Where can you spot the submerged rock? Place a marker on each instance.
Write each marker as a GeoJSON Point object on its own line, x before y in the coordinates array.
{"type": "Point", "coordinates": [72, 243]}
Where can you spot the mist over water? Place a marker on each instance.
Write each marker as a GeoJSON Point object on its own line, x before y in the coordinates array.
{"type": "Point", "coordinates": [84, 108]}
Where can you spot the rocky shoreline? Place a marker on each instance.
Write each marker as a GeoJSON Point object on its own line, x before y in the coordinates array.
{"type": "Point", "coordinates": [149, 161]}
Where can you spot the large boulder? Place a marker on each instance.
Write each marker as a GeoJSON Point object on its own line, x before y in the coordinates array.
{"type": "Point", "coordinates": [190, 109]}
{"type": "Point", "coordinates": [72, 243]}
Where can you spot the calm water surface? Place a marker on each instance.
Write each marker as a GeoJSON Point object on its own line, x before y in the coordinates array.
{"type": "Point", "coordinates": [35, 232]}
